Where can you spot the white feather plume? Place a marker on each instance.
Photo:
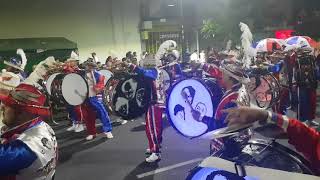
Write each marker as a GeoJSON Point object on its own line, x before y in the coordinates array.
{"type": "Point", "coordinates": [246, 42]}
{"type": "Point", "coordinates": [229, 44]}
{"type": "Point", "coordinates": [40, 71]}
{"type": "Point", "coordinates": [23, 58]}
{"type": "Point", "coordinates": [165, 47]}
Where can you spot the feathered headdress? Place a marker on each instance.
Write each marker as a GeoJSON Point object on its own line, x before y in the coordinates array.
{"type": "Point", "coordinates": [229, 44]}
{"type": "Point", "coordinates": [246, 42]}
{"type": "Point", "coordinates": [40, 71]}
{"type": "Point", "coordinates": [19, 62]}
{"type": "Point", "coordinates": [166, 46]}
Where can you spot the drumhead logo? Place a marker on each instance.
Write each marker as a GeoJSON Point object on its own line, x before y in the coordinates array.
{"type": "Point", "coordinates": [129, 88]}
{"type": "Point", "coordinates": [190, 108]}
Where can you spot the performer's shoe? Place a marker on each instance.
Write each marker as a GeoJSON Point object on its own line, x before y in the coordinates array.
{"type": "Point", "coordinates": [90, 137]}
{"type": "Point", "coordinates": [72, 128]}
{"type": "Point", "coordinates": [154, 157]}
{"type": "Point", "coordinates": [312, 123]}
{"type": "Point", "coordinates": [108, 135]}
{"type": "Point", "coordinates": [148, 152]}
{"type": "Point", "coordinates": [79, 128]}
{"type": "Point", "coordinates": [124, 122]}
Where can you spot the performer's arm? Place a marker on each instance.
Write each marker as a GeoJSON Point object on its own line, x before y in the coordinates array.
{"type": "Point", "coordinates": [15, 156]}
{"type": "Point", "coordinates": [306, 140]}
{"type": "Point", "coordinates": [149, 73]}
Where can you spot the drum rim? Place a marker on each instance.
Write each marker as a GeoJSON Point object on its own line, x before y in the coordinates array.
{"type": "Point", "coordinates": [167, 103]}
{"type": "Point", "coordinates": [111, 107]}
{"type": "Point", "coordinates": [171, 79]}
{"type": "Point", "coordinates": [287, 151]}
{"type": "Point", "coordinates": [112, 75]}
{"type": "Point", "coordinates": [275, 99]}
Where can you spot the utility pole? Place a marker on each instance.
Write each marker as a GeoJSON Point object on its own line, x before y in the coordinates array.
{"type": "Point", "coordinates": [182, 26]}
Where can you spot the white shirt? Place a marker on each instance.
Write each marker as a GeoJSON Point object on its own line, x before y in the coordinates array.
{"type": "Point", "coordinates": [202, 58]}
{"type": "Point", "coordinates": [194, 57]}
{"type": "Point", "coordinates": [91, 83]}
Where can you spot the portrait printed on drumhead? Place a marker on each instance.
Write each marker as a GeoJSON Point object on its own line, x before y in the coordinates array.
{"type": "Point", "coordinates": [190, 108]}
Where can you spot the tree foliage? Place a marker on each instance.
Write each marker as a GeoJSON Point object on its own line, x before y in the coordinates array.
{"type": "Point", "coordinates": [209, 29]}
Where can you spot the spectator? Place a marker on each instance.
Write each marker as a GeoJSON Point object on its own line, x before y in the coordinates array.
{"type": "Point", "coordinates": [194, 56]}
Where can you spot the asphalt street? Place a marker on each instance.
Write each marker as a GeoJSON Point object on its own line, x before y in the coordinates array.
{"type": "Point", "coordinates": [123, 158]}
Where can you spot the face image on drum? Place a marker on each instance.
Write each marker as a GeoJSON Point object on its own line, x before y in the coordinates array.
{"type": "Point", "coordinates": [188, 104]}
{"type": "Point", "coordinates": [130, 97]}
{"type": "Point", "coordinates": [129, 88]}
{"type": "Point", "coordinates": [260, 89]}
{"type": "Point", "coordinates": [122, 106]}
{"type": "Point", "coordinates": [140, 97]}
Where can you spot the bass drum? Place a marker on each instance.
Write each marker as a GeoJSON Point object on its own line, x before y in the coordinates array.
{"type": "Point", "coordinates": [130, 96]}
{"type": "Point", "coordinates": [261, 153]}
{"type": "Point", "coordinates": [109, 92]}
{"type": "Point", "coordinates": [107, 74]}
{"type": "Point", "coordinates": [191, 105]}
{"type": "Point", "coordinates": [69, 89]}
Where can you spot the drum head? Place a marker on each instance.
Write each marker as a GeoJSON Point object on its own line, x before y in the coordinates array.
{"type": "Point", "coordinates": [74, 89]}
{"type": "Point", "coordinates": [191, 105]}
{"type": "Point", "coordinates": [131, 97]}
{"type": "Point", "coordinates": [107, 74]}
{"type": "Point", "coordinates": [49, 82]}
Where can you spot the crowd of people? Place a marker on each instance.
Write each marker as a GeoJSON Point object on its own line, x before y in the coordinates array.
{"type": "Point", "coordinates": [28, 148]}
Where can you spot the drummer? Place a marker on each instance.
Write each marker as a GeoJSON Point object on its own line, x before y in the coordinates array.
{"type": "Point", "coordinates": [232, 78]}
{"type": "Point", "coordinates": [75, 112]}
{"type": "Point", "coordinates": [155, 110]}
{"type": "Point", "coordinates": [29, 150]}
{"type": "Point", "coordinates": [96, 85]}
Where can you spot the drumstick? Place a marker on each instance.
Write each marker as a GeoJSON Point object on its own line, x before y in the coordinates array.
{"type": "Point", "coordinates": [195, 114]}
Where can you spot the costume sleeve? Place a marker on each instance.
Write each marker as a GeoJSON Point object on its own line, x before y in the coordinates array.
{"type": "Point", "coordinates": [220, 123]}
{"type": "Point", "coordinates": [306, 140]}
{"type": "Point", "coordinates": [148, 73]}
{"type": "Point", "coordinates": [276, 68]}
{"type": "Point", "coordinates": [15, 156]}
